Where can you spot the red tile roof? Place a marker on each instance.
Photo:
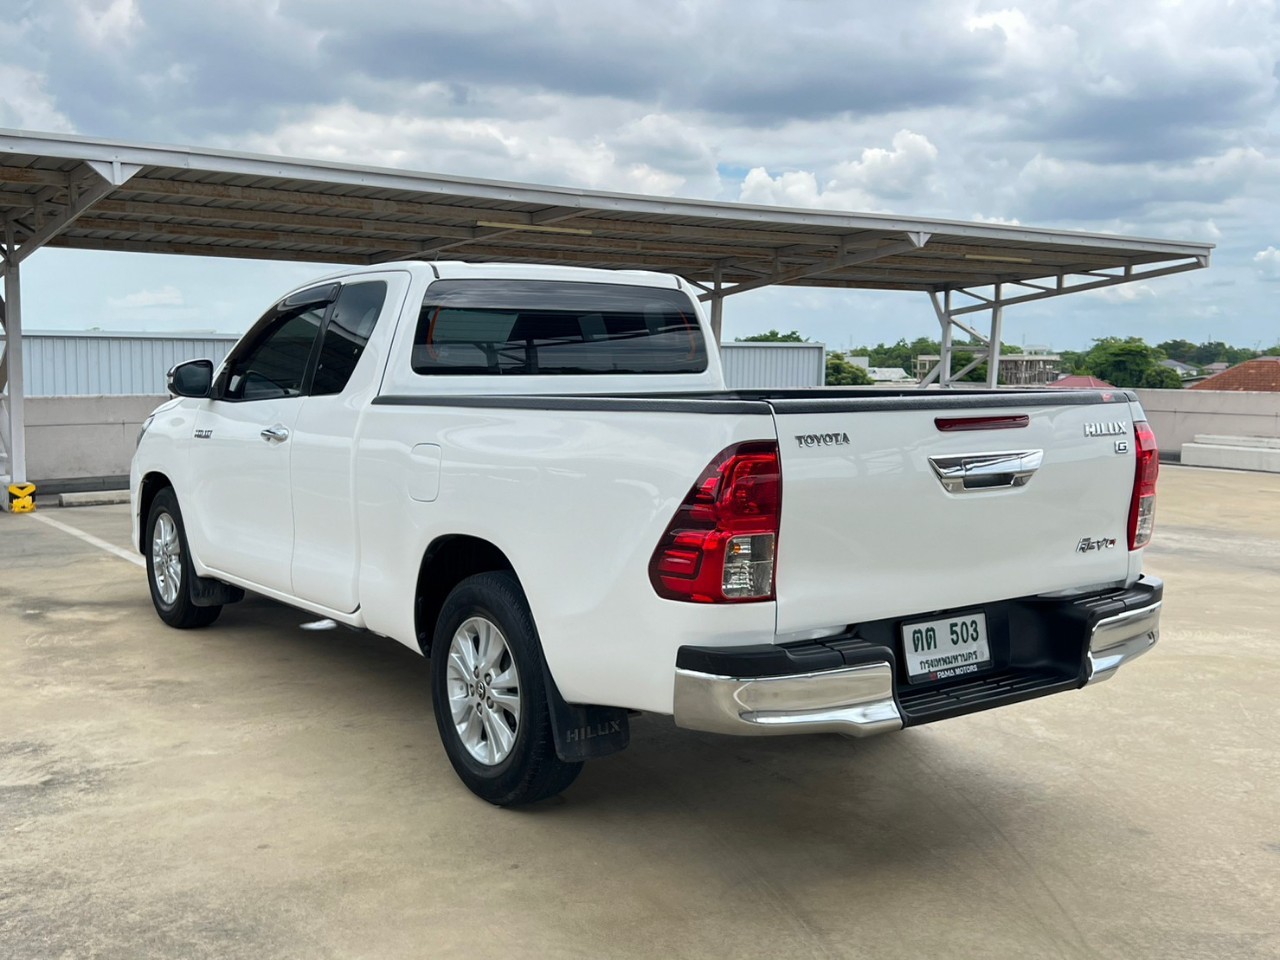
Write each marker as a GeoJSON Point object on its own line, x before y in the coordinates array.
{"type": "Point", "coordinates": [1078, 382]}
{"type": "Point", "coordinates": [1262, 375]}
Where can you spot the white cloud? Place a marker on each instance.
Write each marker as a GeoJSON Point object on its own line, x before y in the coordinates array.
{"type": "Point", "coordinates": [1152, 118]}
{"type": "Point", "coordinates": [110, 24]}
{"type": "Point", "coordinates": [900, 172]}
{"type": "Point", "coordinates": [1267, 264]}
{"type": "Point", "coordinates": [26, 104]}
{"type": "Point", "coordinates": [541, 150]}
{"type": "Point", "coordinates": [1125, 293]}
{"type": "Point", "coordinates": [903, 172]}
{"type": "Point", "coordinates": [167, 296]}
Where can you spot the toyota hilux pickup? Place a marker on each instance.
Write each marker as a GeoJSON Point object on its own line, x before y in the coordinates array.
{"type": "Point", "coordinates": [535, 476]}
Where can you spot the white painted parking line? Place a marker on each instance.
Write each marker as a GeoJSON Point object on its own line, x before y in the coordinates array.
{"type": "Point", "coordinates": [91, 539]}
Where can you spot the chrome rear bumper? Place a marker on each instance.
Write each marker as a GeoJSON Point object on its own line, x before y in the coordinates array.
{"type": "Point", "coordinates": [856, 701]}
{"type": "Point", "coordinates": [1117, 640]}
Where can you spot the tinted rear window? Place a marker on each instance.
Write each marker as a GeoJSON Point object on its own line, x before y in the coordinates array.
{"type": "Point", "coordinates": [530, 327]}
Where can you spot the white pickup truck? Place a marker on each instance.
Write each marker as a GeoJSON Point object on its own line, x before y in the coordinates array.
{"type": "Point", "coordinates": [535, 476]}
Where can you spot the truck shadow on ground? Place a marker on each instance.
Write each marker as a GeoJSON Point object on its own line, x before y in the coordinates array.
{"type": "Point", "coordinates": [824, 800]}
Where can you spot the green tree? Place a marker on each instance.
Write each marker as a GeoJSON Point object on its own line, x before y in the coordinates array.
{"type": "Point", "coordinates": [1180, 350]}
{"type": "Point", "coordinates": [841, 372]}
{"type": "Point", "coordinates": [773, 336]}
{"type": "Point", "coordinates": [1074, 361]}
{"type": "Point", "coordinates": [1129, 362]}
{"type": "Point", "coordinates": [1161, 378]}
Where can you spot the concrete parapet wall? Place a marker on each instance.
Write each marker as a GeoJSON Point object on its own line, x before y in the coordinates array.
{"type": "Point", "coordinates": [1247, 456]}
{"type": "Point", "coordinates": [73, 438]}
{"type": "Point", "coordinates": [1177, 416]}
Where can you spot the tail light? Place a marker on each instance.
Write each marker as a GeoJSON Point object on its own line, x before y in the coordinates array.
{"type": "Point", "coordinates": [1142, 510]}
{"type": "Point", "coordinates": [721, 544]}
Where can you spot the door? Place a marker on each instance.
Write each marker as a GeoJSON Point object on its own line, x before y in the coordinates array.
{"type": "Point", "coordinates": [242, 521]}
{"type": "Point", "coordinates": [326, 552]}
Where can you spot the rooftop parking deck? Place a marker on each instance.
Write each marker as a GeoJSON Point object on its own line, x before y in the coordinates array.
{"type": "Point", "coordinates": [261, 790]}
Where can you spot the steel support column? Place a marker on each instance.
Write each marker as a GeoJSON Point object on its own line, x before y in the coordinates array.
{"type": "Point", "coordinates": [717, 303]}
{"type": "Point", "coordinates": [16, 445]}
{"type": "Point", "coordinates": [993, 342]}
{"type": "Point", "coordinates": [106, 176]}
{"type": "Point", "coordinates": [949, 314]}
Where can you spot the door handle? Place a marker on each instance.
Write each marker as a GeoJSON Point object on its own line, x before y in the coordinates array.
{"type": "Point", "coordinates": [985, 471]}
{"type": "Point", "coordinates": [276, 434]}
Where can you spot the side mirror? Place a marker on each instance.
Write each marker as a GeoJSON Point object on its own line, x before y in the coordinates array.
{"type": "Point", "coordinates": [191, 379]}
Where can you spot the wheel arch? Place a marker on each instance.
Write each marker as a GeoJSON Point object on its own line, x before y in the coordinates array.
{"type": "Point", "coordinates": [447, 561]}
{"type": "Point", "coordinates": [152, 484]}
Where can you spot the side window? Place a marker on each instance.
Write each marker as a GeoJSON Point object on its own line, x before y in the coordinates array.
{"type": "Point", "coordinates": [344, 339]}
{"type": "Point", "coordinates": [275, 365]}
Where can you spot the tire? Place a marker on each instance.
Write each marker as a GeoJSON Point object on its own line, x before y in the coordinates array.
{"type": "Point", "coordinates": [497, 734]}
{"type": "Point", "coordinates": [169, 570]}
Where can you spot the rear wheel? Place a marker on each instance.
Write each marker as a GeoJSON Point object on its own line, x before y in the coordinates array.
{"type": "Point", "coordinates": [169, 566]}
{"type": "Point", "coordinates": [490, 697]}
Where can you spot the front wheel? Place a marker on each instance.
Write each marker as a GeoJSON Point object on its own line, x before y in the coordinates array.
{"type": "Point", "coordinates": [169, 570]}
{"type": "Point", "coordinates": [490, 697]}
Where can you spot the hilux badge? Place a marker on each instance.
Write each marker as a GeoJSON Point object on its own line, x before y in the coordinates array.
{"type": "Point", "coordinates": [1112, 429]}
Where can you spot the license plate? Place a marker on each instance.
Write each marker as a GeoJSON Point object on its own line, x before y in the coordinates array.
{"type": "Point", "coordinates": [946, 647]}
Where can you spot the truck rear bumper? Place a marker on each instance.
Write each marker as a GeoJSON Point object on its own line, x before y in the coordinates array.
{"type": "Point", "coordinates": [852, 684]}
{"type": "Point", "coordinates": [857, 701]}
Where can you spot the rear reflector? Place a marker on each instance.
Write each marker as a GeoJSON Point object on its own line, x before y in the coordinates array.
{"type": "Point", "coordinates": [721, 544]}
{"type": "Point", "coordinates": [1142, 509]}
{"type": "Point", "coordinates": [1011, 422]}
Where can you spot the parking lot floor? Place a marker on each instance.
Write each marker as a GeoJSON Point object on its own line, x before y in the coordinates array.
{"type": "Point", "coordinates": [257, 790]}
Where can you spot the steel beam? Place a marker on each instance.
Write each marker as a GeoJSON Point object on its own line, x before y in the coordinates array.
{"type": "Point", "coordinates": [213, 250]}
{"type": "Point", "coordinates": [913, 242]}
{"type": "Point", "coordinates": [490, 228]}
{"type": "Point", "coordinates": [1128, 277]}
{"type": "Point", "coordinates": [78, 205]}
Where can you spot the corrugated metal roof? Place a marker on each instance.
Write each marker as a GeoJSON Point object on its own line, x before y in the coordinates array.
{"type": "Point", "coordinates": [216, 203]}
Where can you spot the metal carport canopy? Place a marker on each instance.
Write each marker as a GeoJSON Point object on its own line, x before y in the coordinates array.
{"type": "Point", "coordinates": [86, 193]}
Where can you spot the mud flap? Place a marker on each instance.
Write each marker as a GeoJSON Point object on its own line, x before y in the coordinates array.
{"type": "Point", "coordinates": [583, 731]}
{"type": "Point", "coordinates": [207, 592]}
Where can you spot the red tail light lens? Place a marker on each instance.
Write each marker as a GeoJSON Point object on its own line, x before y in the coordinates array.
{"type": "Point", "coordinates": [1142, 509]}
{"type": "Point", "coordinates": [721, 544]}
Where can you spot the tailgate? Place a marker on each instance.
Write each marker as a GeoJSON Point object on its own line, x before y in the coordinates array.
{"type": "Point", "coordinates": [885, 514]}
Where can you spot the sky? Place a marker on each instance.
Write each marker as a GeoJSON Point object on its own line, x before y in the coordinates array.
{"type": "Point", "coordinates": [1152, 118]}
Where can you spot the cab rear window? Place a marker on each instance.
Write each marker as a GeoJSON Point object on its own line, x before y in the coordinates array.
{"type": "Point", "coordinates": [542, 327]}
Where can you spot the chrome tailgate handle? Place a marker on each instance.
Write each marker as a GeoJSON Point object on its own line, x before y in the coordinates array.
{"type": "Point", "coordinates": [276, 434]}
{"type": "Point", "coordinates": [971, 472]}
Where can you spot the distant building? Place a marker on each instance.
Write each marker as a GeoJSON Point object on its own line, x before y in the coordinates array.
{"type": "Point", "coordinates": [94, 363]}
{"type": "Point", "coordinates": [1216, 367]}
{"type": "Point", "coordinates": [1078, 381]}
{"type": "Point", "coordinates": [890, 375]}
{"type": "Point", "coordinates": [882, 374]}
{"type": "Point", "coordinates": [1031, 369]}
{"type": "Point", "coordinates": [766, 365]}
{"type": "Point", "coordinates": [1261, 376]}
{"type": "Point", "coordinates": [1180, 368]}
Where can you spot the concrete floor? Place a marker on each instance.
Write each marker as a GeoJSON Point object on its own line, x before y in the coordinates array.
{"type": "Point", "coordinates": [256, 791]}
